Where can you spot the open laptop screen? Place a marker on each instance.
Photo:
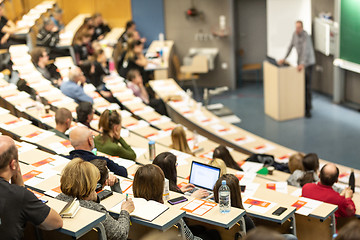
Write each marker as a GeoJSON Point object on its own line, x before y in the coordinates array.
{"type": "Point", "coordinates": [203, 176]}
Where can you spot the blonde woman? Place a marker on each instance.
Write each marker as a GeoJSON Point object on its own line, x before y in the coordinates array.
{"type": "Point", "coordinates": [78, 180]}
{"type": "Point", "coordinates": [179, 140]}
{"type": "Point", "coordinates": [217, 162]}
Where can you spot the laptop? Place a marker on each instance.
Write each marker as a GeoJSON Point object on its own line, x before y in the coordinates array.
{"type": "Point", "coordinates": [203, 176]}
{"type": "Point", "coordinates": [274, 62]}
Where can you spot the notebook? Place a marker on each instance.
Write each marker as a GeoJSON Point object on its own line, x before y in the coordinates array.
{"type": "Point", "coordinates": [70, 209]}
{"type": "Point", "coordinates": [203, 176]}
{"type": "Point", "coordinates": [147, 210]}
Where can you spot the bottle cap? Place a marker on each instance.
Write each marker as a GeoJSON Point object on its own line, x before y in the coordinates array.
{"type": "Point", "coordinates": [223, 182]}
{"type": "Point", "coordinates": [151, 142]}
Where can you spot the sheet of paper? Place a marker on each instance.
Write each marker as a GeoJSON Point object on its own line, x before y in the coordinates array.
{"type": "Point", "coordinates": [126, 186]}
{"type": "Point", "coordinates": [245, 177]}
{"type": "Point", "coordinates": [37, 136]}
{"type": "Point", "coordinates": [123, 162]}
{"type": "Point", "coordinates": [53, 192]}
{"type": "Point", "coordinates": [3, 111]}
{"type": "Point", "coordinates": [124, 133]}
{"type": "Point", "coordinates": [253, 167]}
{"type": "Point", "coordinates": [250, 189]}
{"type": "Point", "coordinates": [63, 147]}
{"type": "Point", "coordinates": [257, 205]}
{"type": "Point", "coordinates": [222, 130]}
{"type": "Point", "coordinates": [305, 206]}
{"type": "Point", "coordinates": [277, 186]}
{"type": "Point", "coordinates": [50, 163]}
{"type": "Point", "coordinates": [35, 177]}
{"type": "Point", "coordinates": [243, 140]}
{"type": "Point", "coordinates": [137, 125]}
{"type": "Point", "coordinates": [24, 147]}
{"type": "Point", "coordinates": [263, 148]}
{"type": "Point", "coordinates": [139, 151]}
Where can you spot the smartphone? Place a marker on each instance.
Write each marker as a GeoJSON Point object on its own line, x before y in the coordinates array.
{"type": "Point", "coordinates": [279, 211]}
{"type": "Point", "coordinates": [104, 194]}
{"type": "Point", "coordinates": [242, 188]}
{"type": "Point", "coordinates": [177, 200]}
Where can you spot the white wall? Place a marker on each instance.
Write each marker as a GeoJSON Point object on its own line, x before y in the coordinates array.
{"type": "Point", "coordinates": [281, 18]}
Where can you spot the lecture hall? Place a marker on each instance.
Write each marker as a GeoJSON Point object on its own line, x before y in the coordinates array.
{"type": "Point", "coordinates": [179, 120]}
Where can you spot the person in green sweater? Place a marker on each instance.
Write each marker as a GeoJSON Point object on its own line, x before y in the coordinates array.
{"type": "Point", "coordinates": [110, 141]}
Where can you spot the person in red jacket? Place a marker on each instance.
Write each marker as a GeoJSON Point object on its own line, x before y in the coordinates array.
{"type": "Point", "coordinates": [324, 192]}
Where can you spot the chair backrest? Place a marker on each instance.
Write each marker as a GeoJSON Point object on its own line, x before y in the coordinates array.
{"type": "Point", "coordinates": [176, 64]}
{"type": "Point", "coordinates": [200, 63]}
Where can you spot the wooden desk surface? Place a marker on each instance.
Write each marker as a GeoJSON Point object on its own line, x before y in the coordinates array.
{"type": "Point", "coordinates": [83, 222]}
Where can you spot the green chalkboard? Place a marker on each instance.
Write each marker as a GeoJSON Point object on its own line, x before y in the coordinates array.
{"type": "Point", "coordinates": [350, 31]}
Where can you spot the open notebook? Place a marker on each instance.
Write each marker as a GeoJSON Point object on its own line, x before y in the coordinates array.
{"type": "Point", "coordinates": [147, 210]}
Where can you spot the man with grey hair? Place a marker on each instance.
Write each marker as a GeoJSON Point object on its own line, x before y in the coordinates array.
{"type": "Point", "coordinates": [306, 59]}
{"type": "Point", "coordinates": [74, 87]}
{"type": "Point", "coordinates": [82, 140]}
{"type": "Point", "coordinates": [17, 204]}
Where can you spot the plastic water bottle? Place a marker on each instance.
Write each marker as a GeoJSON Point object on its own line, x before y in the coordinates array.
{"type": "Point", "coordinates": [224, 198]}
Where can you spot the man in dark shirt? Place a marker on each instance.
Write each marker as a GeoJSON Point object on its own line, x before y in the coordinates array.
{"type": "Point", "coordinates": [17, 204]}
{"type": "Point", "coordinates": [82, 140]}
{"type": "Point", "coordinates": [101, 28]}
{"type": "Point", "coordinates": [40, 59]}
{"type": "Point", "coordinates": [49, 37]}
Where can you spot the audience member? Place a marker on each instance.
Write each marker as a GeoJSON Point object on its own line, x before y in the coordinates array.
{"type": "Point", "coordinates": [129, 28]}
{"type": "Point", "coordinates": [323, 191]}
{"type": "Point", "coordinates": [7, 28]}
{"type": "Point", "coordinates": [82, 140]}
{"type": "Point", "coordinates": [262, 233]}
{"type": "Point", "coordinates": [217, 162]}
{"type": "Point", "coordinates": [17, 204]}
{"type": "Point", "coordinates": [133, 58]}
{"type": "Point", "coordinates": [101, 28]}
{"type": "Point", "coordinates": [40, 59]}
{"type": "Point", "coordinates": [110, 140]}
{"type": "Point", "coordinates": [74, 87]}
{"type": "Point", "coordinates": [63, 119]}
{"type": "Point", "coordinates": [167, 162]}
{"type": "Point", "coordinates": [56, 17]}
{"type": "Point", "coordinates": [82, 48]}
{"type": "Point", "coordinates": [311, 166]}
{"type": "Point", "coordinates": [179, 140]}
{"type": "Point", "coordinates": [79, 180]}
{"type": "Point", "coordinates": [295, 162]}
{"type": "Point", "coordinates": [351, 231]}
{"type": "Point", "coordinates": [48, 37]}
{"type": "Point", "coordinates": [85, 114]}
{"type": "Point", "coordinates": [149, 184]}
{"type": "Point", "coordinates": [101, 69]}
{"type": "Point", "coordinates": [235, 196]}
{"type": "Point", "coordinates": [136, 84]}
{"type": "Point", "coordinates": [106, 179]}
{"type": "Point", "coordinates": [223, 153]}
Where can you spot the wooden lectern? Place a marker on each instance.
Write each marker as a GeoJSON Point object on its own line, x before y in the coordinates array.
{"type": "Point", "coordinates": [284, 92]}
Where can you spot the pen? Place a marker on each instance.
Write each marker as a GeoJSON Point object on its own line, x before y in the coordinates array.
{"type": "Point", "coordinates": [127, 196]}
